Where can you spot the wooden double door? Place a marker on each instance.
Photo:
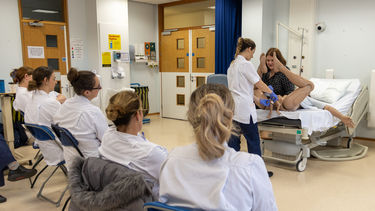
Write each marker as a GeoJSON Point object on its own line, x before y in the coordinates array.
{"type": "Point", "coordinates": [187, 58]}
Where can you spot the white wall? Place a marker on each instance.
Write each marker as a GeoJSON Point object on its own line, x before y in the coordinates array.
{"type": "Point", "coordinates": [259, 19]}
{"type": "Point", "coordinates": [10, 40]}
{"type": "Point", "coordinates": [78, 30]}
{"type": "Point", "coordinates": [143, 19]}
{"type": "Point", "coordinates": [302, 15]}
{"type": "Point", "coordinates": [252, 20]}
{"type": "Point", "coordinates": [347, 45]}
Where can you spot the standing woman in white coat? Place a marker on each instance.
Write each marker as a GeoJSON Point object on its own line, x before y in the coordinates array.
{"type": "Point", "coordinates": [84, 120]}
{"type": "Point", "coordinates": [41, 109]}
{"type": "Point", "coordinates": [242, 78]}
{"type": "Point", "coordinates": [122, 142]}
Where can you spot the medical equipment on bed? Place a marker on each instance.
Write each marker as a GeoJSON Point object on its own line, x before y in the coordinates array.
{"type": "Point", "coordinates": [296, 133]}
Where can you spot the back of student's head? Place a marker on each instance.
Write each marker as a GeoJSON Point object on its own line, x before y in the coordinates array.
{"type": "Point", "coordinates": [19, 74]}
{"type": "Point", "coordinates": [243, 44]}
{"type": "Point", "coordinates": [122, 107]}
{"type": "Point", "coordinates": [278, 55]}
{"type": "Point", "coordinates": [39, 74]}
{"type": "Point", "coordinates": [210, 113]}
{"type": "Point", "coordinates": [81, 80]}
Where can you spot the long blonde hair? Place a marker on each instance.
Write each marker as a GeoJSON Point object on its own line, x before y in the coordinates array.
{"type": "Point", "coordinates": [210, 113]}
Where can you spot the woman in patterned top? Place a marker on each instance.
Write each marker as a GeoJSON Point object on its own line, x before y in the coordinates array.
{"type": "Point", "coordinates": [266, 70]}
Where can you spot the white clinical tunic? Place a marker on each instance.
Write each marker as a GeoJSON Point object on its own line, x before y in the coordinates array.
{"type": "Point", "coordinates": [23, 96]}
{"type": "Point", "coordinates": [134, 152]}
{"type": "Point", "coordinates": [241, 79]}
{"type": "Point", "coordinates": [40, 110]}
{"type": "Point", "coordinates": [87, 124]}
{"type": "Point", "coordinates": [235, 181]}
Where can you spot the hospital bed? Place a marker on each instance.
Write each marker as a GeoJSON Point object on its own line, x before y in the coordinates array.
{"type": "Point", "coordinates": [295, 136]}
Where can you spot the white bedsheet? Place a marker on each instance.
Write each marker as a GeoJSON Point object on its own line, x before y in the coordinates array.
{"type": "Point", "coordinates": [315, 119]}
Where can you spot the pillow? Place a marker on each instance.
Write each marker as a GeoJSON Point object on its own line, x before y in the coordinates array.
{"type": "Point", "coordinates": [329, 90]}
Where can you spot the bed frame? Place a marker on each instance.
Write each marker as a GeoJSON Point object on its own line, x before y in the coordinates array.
{"type": "Point", "coordinates": [291, 144]}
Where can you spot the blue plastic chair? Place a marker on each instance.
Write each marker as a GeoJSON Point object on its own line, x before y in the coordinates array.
{"type": "Point", "coordinates": [66, 138]}
{"type": "Point", "coordinates": [158, 206]}
{"type": "Point", "coordinates": [218, 79]}
{"type": "Point", "coordinates": [44, 133]}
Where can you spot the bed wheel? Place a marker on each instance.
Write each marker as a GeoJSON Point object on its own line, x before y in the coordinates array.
{"type": "Point", "coordinates": [301, 164]}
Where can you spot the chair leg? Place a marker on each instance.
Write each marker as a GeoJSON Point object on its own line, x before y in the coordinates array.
{"type": "Point", "coordinates": [36, 177]}
{"type": "Point", "coordinates": [40, 195]}
{"type": "Point", "coordinates": [66, 203]}
{"type": "Point", "coordinates": [64, 169]}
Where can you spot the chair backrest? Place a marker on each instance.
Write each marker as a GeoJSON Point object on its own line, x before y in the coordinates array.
{"type": "Point", "coordinates": [218, 79]}
{"type": "Point", "coordinates": [66, 138]}
{"type": "Point", "coordinates": [40, 132]}
{"type": "Point", "coordinates": [158, 206]}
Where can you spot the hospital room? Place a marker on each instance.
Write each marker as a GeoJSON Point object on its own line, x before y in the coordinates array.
{"type": "Point", "coordinates": [187, 105]}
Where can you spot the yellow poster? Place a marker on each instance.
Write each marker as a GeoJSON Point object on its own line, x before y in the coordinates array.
{"type": "Point", "coordinates": [114, 41]}
{"type": "Point", "coordinates": [106, 59]}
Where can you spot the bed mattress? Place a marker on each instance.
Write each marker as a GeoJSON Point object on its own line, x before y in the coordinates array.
{"type": "Point", "coordinates": [312, 118]}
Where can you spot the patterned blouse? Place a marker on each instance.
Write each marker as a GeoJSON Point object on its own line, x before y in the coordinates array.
{"type": "Point", "coordinates": [280, 83]}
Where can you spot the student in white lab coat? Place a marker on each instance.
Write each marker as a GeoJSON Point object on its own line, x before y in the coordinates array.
{"type": "Point", "coordinates": [41, 109]}
{"type": "Point", "coordinates": [242, 78]}
{"type": "Point", "coordinates": [22, 76]}
{"type": "Point", "coordinates": [84, 120]}
{"type": "Point", "coordinates": [208, 174]}
{"type": "Point", "coordinates": [122, 142]}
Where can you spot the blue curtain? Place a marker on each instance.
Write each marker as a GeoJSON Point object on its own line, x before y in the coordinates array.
{"type": "Point", "coordinates": [228, 14]}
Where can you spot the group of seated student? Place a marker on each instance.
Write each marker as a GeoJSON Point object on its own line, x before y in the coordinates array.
{"type": "Point", "coordinates": [206, 175]}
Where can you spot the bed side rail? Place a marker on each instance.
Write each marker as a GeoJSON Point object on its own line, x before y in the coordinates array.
{"type": "Point", "coordinates": [359, 109]}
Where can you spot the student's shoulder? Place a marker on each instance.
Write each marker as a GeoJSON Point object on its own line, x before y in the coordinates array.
{"type": "Point", "coordinates": [244, 160]}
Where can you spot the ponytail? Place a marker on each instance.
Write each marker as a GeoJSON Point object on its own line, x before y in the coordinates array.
{"type": "Point", "coordinates": [213, 128]}
{"type": "Point", "coordinates": [38, 77]}
{"type": "Point", "coordinates": [242, 44]}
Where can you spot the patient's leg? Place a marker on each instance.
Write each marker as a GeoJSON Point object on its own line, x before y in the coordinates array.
{"type": "Point", "coordinates": [293, 100]}
{"type": "Point", "coordinates": [258, 94]}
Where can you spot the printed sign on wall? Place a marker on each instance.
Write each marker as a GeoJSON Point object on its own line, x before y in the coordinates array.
{"type": "Point", "coordinates": [106, 59]}
{"type": "Point", "coordinates": [114, 41]}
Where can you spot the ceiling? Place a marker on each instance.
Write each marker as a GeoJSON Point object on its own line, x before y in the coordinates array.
{"type": "Point", "coordinates": [155, 1]}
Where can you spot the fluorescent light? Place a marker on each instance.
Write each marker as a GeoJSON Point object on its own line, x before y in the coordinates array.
{"type": "Point", "coordinates": [45, 11]}
{"type": "Point", "coordinates": [211, 7]}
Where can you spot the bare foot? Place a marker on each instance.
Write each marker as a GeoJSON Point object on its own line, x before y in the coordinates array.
{"type": "Point", "coordinates": [263, 66]}
{"type": "Point", "coordinates": [277, 64]}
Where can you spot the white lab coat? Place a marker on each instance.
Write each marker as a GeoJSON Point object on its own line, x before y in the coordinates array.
{"type": "Point", "coordinates": [241, 79]}
{"type": "Point", "coordinates": [87, 124]}
{"type": "Point", "coordinates": [134, 152]}
{"type": "Point", "coordinates": [23, 96]}
{"type": "Point", "coordinates": [235, 181]}
{"type": "Point", "coordinates": [40, 110]}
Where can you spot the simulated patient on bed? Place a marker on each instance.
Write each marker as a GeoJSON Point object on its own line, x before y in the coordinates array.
{"type": "Point", "coordinates": [326, 94]}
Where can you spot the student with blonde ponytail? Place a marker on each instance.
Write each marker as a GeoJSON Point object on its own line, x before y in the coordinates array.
{"type": "Point", "coordinates": [209, 175]}
{"type": "Point", "coordinates": [242, 78]}
{"type": "Point", "coordinates": [122, 142]}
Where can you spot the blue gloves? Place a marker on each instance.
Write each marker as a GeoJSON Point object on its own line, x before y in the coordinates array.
{"type": "Point", "coordinates": [265, 102]}
{"type": "Point", "coordinates": [272, 96]}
